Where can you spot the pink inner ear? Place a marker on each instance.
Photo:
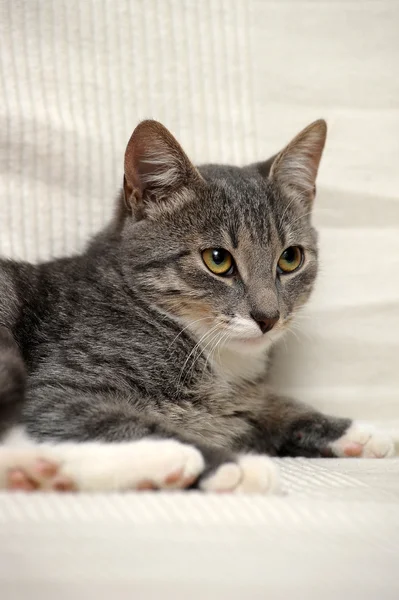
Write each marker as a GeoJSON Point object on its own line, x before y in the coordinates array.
{"type": "Point", "coordinates": [132, 171]}
{"type": "Point", "coordinates": [153, 158]}
{"type": "Point", "coordinates": [155, 162]}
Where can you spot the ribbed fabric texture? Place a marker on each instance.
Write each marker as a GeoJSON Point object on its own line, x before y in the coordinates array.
{"type": "Point", "coordinates": [76, 79]}
{"type": "Point", "coordinates": [336, 535]}
{"type": "Point", "coordinates": [233, 79]}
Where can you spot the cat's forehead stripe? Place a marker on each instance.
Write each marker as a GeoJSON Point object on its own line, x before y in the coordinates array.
{"type": "Point", "coordinates": [233, 234]}
{"type": "Point", "coordinates": [251, 208]}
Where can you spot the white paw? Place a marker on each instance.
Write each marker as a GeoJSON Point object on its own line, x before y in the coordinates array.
{"type": "Point", "coordinates": [363, 441]}
{"type": "Point", "coordinates": [29, 469]}
{"type": "Point", "coordinates": [145, 464]}
{"type": "Point", "coordinates": [250, 474]}
{"type": "Point", "coordinates": [94, 466]}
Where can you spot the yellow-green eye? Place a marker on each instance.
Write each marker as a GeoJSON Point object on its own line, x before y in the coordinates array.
{"type": "Point", "coordinates": [290, 260]}
{"type": "Point", "coordinates": [218, 260]}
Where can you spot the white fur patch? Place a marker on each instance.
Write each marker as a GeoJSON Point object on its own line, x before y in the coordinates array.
{"type": "Point", "coordinates": [95, 466]}
{"type": "Point", "coordinates": [251, 474]}
{"type": "Point", "coordinates": [17, 437]}
{"type": "Point", "coordinates": [166, 171]}
{"type": "Point", "coordinates": [363, 441]}
{"type": "Point", "coordinates": [238, 364]}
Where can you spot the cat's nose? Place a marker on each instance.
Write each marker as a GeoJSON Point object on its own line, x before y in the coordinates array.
{"type": "Point", "coordinates": [264, 323]}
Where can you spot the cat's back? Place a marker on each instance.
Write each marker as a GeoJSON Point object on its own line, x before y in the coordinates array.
{"type": "Point", "coordinates": [44, 304]}
{"type": "Point", "coordinates": [75, 316]}
{"type": "Point", "coordinates": [73, 306]}
{"type": "Point", "coordinates": [18, 282]}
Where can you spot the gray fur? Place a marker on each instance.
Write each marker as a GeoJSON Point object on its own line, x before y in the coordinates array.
{"type": "Point", "coordinates": [108, 340]}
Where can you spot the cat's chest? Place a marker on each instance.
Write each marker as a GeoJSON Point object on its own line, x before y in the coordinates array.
{"type": "Point", "coordinates": [232, 397]}
{"type": "Point", "coordinates": [234, 367]}
{"type": "Point", "coordinates": [237, 386]}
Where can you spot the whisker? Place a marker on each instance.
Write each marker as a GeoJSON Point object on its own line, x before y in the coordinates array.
{"type": "Point", "coordinates": [285, 345]}
{"type": "Point", "coordinates": [214, 341]}
{"type": "Point", "coordinates": [294, 334]}
{"type": "Point", "coordinates": [190, 354]}
{"type": "Point", "coordinates": [197, 345]}
{"type": "Point", "coordinates": [202, 352]}
{"type": "Point", "coordinates": [301, 217]}
{"type": "Point", "coordinates": [222, 343]}
{"type": "Point", "coordinates": [291, 202]}
{"type": "Point", "coordinates": [186, 327]}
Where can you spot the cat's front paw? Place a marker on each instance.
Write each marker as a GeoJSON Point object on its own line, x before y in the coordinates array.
{"type": "Point", "coordinates": [362, 441]}
{"type": "Point", "coordinates": [249, 474]}
{"type": "Point", "coordinates": [156, 464]}
{"type": "Point", "coordinates": [29, 470]}
{"type": "Point", "coordinates": [95, 467]}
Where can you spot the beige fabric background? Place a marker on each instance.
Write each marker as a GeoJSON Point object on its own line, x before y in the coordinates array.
{"type": "Point", "coordinates": [234, 80]}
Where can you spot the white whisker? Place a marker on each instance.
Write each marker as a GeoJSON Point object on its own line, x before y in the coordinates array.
{"type": "Point", "coordinates": [290, 203]}
{"type": "Point", "coordinates": [301, 217]}
{"type": "Point", "coordinates": [186, 327]}
{"type": "Point", "coordinates": [222, 343]}
{"type": "Point", "coordinates": [213, 341]}
{"type": "Point", "coordinates": [197, 345]}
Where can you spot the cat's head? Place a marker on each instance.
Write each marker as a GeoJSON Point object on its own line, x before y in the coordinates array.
{"type": "Point", "coordinates": [229, 252]}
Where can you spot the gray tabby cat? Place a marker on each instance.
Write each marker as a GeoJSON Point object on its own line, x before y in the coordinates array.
{"type": "Point", "coordinates": [142, 363]}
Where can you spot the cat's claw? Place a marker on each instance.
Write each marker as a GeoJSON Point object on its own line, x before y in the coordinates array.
{"type": "Point", "coordinates": [250, 474]}
{"type": "Point", "coordinates": [362, 441]}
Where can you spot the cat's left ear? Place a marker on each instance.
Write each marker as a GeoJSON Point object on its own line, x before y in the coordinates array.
{"type": "Point", "coordinates": [295, 168]}
{"type": "Point", "coordinates": [156, 167]}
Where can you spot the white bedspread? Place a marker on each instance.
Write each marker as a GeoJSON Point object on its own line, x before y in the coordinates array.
{"type": "Point", "coordinates": [234, 80]}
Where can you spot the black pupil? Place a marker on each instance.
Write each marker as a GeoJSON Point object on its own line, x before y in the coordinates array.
{"type": "Point", "coordinates": [218, 256]}
{"type": "Point", "coordinates": [290, 255]}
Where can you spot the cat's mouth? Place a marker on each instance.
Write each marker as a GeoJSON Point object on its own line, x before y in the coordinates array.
{"type": "Point", "coordinates": [256, 340]}
{"type": "Point", "coordinates": [239, 333]}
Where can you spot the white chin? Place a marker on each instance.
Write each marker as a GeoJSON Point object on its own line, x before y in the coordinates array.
{"type": "Point", "coordinates": [248, 344]}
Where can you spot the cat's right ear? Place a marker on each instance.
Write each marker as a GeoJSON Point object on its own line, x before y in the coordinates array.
{"type": "Point", "coordinates": [295, 168]}
{"type": "Point", "coordinates": [156, 167]}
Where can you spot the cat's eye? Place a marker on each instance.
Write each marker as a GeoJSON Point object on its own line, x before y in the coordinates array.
{"type": "Point", "coordinates": [290, 260]}
{"type": "Point", "coordinates": [219, 261]}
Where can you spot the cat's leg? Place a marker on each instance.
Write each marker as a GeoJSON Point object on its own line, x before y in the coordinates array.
{"type": "Point", "coordinates": [98, 466]}
{"type": "Point", "coordinates": [298, 430]}
{"type": "Point", "coordinates": [145, 464]}
{"type": "Point", "coordinates": [247, 473]}
{"type": "Point", "coordinates": [362, 440]}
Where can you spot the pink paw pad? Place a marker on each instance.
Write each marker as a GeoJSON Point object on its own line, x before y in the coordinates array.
{"type": "Point", "coordinates": [44, 469]}
{"type": "Point", "coordinates": [353, 449]}
{"type": "Point", "coordinates": [18, 480]}
{"type": "Point", "coordinates": [62, 483]}
{"type": "Point", "coordinates": [41, 475]}
{"type": "Point", "coordinates": [363, 441]}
